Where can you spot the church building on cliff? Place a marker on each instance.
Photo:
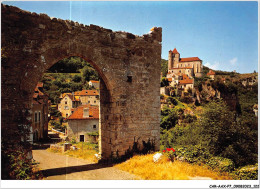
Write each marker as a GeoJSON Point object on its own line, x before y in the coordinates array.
{"type": "Point", "coordinates": [181, 71]}
{"type": "Point", "coordinates": [190, 66]}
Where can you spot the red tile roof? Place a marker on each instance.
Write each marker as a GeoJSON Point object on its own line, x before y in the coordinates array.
{"type": "Point", "coordinates": [190, 59]}
{"type": "Point", "coordinates": [183, 68]}
{"type": "Point", "coordinates": [185, 80]}
{"type": "Point", "coordinates": [39, 84]}
{"type": "Point", "coordinates": [64, 94]}
{"type": "Point", "coordinates": [169, 79]}
{"type": "Point", "coordinates": [211, 72]}
{"type": "Point", "coordinates": [87, 93]}
{"type": "Point", "coordinates": [175, 51]}
{"type": "Point", "coordinates": [93, 81]}
{"type": "Point", "coordinates": [78, 113]}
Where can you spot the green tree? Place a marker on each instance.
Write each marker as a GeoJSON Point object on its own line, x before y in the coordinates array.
{"type": "Point", "coordinates": [164, 82]}
{"type": "Point", "coordinates": [169, 118]}
{"type": "Point", "coordinates": [164, 67]}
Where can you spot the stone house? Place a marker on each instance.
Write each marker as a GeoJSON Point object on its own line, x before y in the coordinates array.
{"type": "Point", "coordinates": [88, 97]}
{"type": "Point", "coordinates": [186, 82]}
{"type": "Point", "coordinates": [84, 120]}
{"type": "Point", "coordinates": [191, 66]}
{"type": "Point", "coordinates": [164, 90]}
{"type": "Point", "coordinates": [93, 83]}
{"type": "Point", "coordinates": [40, 104]}
{"type": "Point", "coordinates": [67, 104]}
{"type": "Point", "coordinates": [211, 74]}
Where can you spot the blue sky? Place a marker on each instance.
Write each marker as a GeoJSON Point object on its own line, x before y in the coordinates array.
{"type": "Point", "coordinates": [224, 34]}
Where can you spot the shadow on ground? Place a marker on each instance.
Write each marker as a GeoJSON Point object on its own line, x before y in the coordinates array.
{"type": "Point", "coordinates": [73, 169]}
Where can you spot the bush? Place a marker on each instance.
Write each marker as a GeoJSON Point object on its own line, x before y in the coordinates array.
{"type": "Point", "coordinates": [172, 100]}
{"type": "Point", "coordinates": [222, 164]}
{"type": "Point", "coordinates": [249, 172]}
{"type": "Point", "coordinates": [193, 154]}
{"type": "Point", "coordinates": [22, 168]}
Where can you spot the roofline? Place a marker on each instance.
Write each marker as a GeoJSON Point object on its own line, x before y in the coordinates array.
{"type": "Point", "coordinates": [87, 118]}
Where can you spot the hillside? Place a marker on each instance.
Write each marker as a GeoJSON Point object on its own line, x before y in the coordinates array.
{"type": "Point", "coordinates": [68, 75]}
{"type": "Point", "coordinates": [218, 120]}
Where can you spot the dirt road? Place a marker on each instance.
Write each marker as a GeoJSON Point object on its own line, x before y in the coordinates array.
{"type": "Point", "coordinates": [63, 167]}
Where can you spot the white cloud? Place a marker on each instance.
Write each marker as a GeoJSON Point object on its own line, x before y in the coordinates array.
{"type": "Point", "coordinates": [214, 66]}
{"type": "Point", "coordinates": [233, 61]}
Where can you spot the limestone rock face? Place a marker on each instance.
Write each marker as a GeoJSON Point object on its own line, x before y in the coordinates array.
{"type": "Point", "coordinates": [129, 66]}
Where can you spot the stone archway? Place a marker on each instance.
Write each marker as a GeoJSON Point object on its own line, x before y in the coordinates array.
{"type": "Point", "coordinates": [129, 66]}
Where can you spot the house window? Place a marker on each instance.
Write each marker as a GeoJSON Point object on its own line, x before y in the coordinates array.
{"type": "Point", "coordinates": [65, 98]}
{"type": "Point", "coordinates": [65, 102]}
{"type": "Point", "coordinates": [67, 115]}
{"type": "Point", "coordinates": [94, 126]}
{"type": "Point", "coordinates": [81, 138]}
{"type": "Point", "coordinates": [35, 117]}
{"type": "Point", "coordinates": [88, 101]}
{"type": "Point", "coordinates": [39, 116]}
{"type": "Point", "coordinates": [94, 101]}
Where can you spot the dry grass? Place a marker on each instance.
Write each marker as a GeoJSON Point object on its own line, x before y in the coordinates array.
{"type": "Point", "coordinates": [144, 167]}
{"type": "Point", "coordinates": [83, 154]}
{"type": "Point", "coordinates": [84, 151]}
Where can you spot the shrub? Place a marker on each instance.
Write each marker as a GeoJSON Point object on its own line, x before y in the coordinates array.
{"type": "Point", "coordinates": [170, 154]}
{"type": "Point", "coordinates": [222, 164]}
{"type": "Point", "coordinates": [172, 100]}
{"type": "Point", "coordinates": [22, 168]}
{"type": "Point", "coordinates": [249, 172]}
{"type": "Point", "coordinates": [193, 154]}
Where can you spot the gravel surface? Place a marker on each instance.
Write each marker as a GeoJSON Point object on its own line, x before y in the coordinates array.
{"type": "Point", "coordinates": [63, 167]}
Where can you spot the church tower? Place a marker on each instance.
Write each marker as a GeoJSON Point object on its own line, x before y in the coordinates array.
{"type": "Point", "coordinates": [170, 62]}
{"type": "Point", "coordinates": [176, 58]}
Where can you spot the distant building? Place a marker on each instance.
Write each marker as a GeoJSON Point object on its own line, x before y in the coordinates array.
{"type": "Point", "coordinates": [211, 74]}
{"type": "Point", "coordinates": [67, 104]}
{"type": "Point", "coordinates": [40, 104]}
{"type": "Point", "coordinates": [94, 84]}
{"type": "Point", "coordinates": [84, 120]}
{"type": "Point", "coordinates": [87, 97]}
{"type": "Point", "coordinates": [191, 66]}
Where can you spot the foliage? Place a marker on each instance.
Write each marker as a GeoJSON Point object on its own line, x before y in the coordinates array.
{"type": "Point", "coordinates": [221, 164]}
{"type": "Point", "coordinates": [20, 167]}
{"type": "Point", "coordinates": [249, 172]}
{"type": "Point", "coordinates": [217, 130]}
{"type": "Point", "coordinates": [66, 76]}
{"type": "Point", "coordinates": [169, 118]}
{"type": "Point", "coordinates": [164, 82]}
{"type": "Point", "coordinates": [170, 153]}
{"type": "Point", "coordinates": [58, 125]}
{"type": "Point", "coordinates": [96, 133]}
{"type": "Point", "coordinates": [172, 100]}
{"type": "Point", "coordinates": [68, 65]}
{"type": "Point", "coordinates": [53, 111]}
{"type": "Point", "coordinates": [88, 73]}
{"type": "Point", "coordinates": [164, 67]}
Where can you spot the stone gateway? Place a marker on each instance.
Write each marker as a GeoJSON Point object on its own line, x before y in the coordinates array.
{"type": "Point", "coordinates": [129, 66]}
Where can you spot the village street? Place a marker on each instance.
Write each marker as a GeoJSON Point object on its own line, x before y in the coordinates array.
{"type": "Point", "coordinates": [62, 167]}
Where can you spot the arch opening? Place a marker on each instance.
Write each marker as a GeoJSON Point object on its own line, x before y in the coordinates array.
{"type": "Point", "coordinates": [73, 87]}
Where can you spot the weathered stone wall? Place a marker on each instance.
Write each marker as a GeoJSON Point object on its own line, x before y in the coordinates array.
{"type": "Point", "coordinates": [129, 66]}
{"type": "Point", "coordinates": [81, 127]}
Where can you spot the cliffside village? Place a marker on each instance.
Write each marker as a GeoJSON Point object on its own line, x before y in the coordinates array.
{"type": "Point", "coordinates": [181, 73]}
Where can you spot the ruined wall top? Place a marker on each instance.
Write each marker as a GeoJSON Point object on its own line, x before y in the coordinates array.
{"type": "Point", "coordinates": [155, 33]}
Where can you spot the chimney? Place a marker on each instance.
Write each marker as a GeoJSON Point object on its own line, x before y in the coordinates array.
{"type": "Point", "coordinates": [85, 112]}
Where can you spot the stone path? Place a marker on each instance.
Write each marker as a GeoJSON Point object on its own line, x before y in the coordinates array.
{"type": "Point", "coordinates": [62, 167]}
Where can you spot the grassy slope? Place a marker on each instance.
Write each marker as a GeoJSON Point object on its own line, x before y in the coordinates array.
{"type": "Point", "coordinates": [144, 167]}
